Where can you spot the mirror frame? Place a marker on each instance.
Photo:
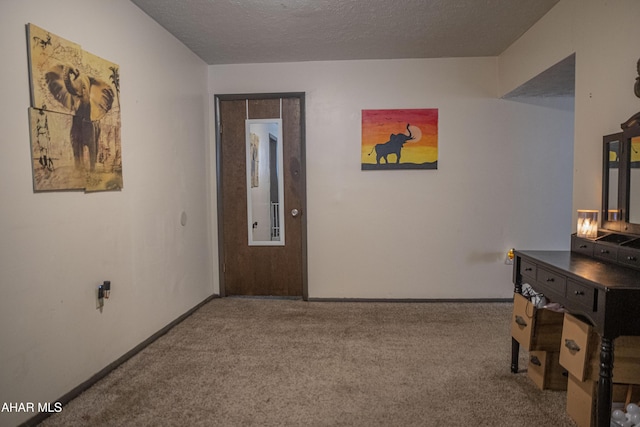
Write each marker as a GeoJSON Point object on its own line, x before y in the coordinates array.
{"type": "Point", "coordinates": [630, 129]}
{"type": "Point", "coordinates": [606, 140]}
{"type": "Point", "coordinates": [280, 173]}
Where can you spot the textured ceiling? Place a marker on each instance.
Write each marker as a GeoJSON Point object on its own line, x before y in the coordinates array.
{"type": "Point", "coordinates": [257, 31]}
{"type": "Point", "coordinates": [260, 31]}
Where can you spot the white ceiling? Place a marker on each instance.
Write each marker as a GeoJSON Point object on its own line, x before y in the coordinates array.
{"type": "Point", "coordinates": [260, 31]}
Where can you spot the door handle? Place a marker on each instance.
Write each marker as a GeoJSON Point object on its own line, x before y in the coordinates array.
{"type": "Point", "coordinates": [295, 212]}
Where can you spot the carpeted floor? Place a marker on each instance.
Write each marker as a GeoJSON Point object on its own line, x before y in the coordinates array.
{"type": "Point", "coordinates": [266, 362]}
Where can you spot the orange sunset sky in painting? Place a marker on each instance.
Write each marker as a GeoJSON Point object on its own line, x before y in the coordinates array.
{"type": "Point", "coordinates": [378, 125]}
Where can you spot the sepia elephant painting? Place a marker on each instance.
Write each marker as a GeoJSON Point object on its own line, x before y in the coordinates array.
{"type": "Point", "coordinates": [75, 116]}
{"type": "Point", "coordinates": [89, 99]}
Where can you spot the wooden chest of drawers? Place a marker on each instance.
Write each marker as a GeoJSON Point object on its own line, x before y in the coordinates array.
{"type": "Point", "coordinates": [603, 294]}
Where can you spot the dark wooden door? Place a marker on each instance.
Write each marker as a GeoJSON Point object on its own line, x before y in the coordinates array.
{"type": "Point", "coordinates": [260, 270]}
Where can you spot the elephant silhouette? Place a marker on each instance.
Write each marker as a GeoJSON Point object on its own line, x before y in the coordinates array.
{"type": "Point", "coordinates": [89, 99]}
{"type": "Point", "coordinates": [392, 146]}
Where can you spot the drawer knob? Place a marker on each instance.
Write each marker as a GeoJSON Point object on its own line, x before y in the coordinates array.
{"type": "Point", "coordinates": [534, 360]}
{"type": "Point", "coordinates": [579, 293]}
{"type": "Point", "coordinates": [604, 251]}
{"type": "Point", "coordinates": [583, 246]}
{"type": "Point", "coordinates": [528, 269]}
{"type": "Point", "coordinates": [550, 279]}
{"type": "Point", "coordinates": [632, 258]}
{"type": "Point", "coordinates": [520, 321]}
{"type": "Point", "coordinates": [571, 345]}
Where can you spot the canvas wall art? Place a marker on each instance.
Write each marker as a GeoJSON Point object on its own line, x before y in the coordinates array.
{"type": "Point", "coordinates": [74, 116]}
{"type": "Point", "coordinates": [399, 139]}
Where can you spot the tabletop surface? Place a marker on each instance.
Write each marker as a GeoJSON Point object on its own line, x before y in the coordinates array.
{"type": "Point", "coordinates": [599, 273]}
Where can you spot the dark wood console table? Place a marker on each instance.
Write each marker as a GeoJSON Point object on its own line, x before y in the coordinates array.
{"type": "Point", "coordinates": [607, 295]}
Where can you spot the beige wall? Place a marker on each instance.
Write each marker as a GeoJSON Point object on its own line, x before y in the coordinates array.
{"type": "Point", "coordinates": [510, 175]}
{"type": "Point", "coordinates": [55, 248]}
{"type": "Point", "coordinates": [504, 177]}
{"type": "Point", "coordinates": [604, 36]}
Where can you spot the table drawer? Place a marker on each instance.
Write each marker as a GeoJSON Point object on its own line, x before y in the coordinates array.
{"type": "Point", "coordinates": [545, 371]}
{"type": "Point", "coordinates": [577, 341]}
{"type": "Point", "coordinates": [584, 296]}
{"type": "Point", "coordinates": [580, 353]}
{"type": "Point", "coordinates": [581, 402]}
{"type": "Point", "coordinates": [535, 329]}
{"type": "Point", "coordinates": [605, 251]}
{"type": "Point", "coordinates": [551, 284]}
{"type": "Point", "coordinates": [528, 269]}
{"type": "Point", "coordinates": [582, 399]}
{"type": "Point", "coordinates": [583, 246]}
{"type": "Point", "coordinates": [629, 257]}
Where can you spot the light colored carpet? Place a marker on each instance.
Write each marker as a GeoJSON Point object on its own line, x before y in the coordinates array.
{"type": "Point", "coordinates": [266, 362]}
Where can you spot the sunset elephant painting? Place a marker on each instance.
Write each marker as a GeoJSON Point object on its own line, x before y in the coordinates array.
{"type": "Point", "coordinates": [75, 116]}
{"type": "Point", "coordinates": [399, 139]}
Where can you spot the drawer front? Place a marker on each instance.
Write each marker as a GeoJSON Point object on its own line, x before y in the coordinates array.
{"type": "Point", "coordinates": [537, 367]}
{"type": "Point", "coordinates": [522, 320]}
{"type": "Point", "coordinates": [629, 257]}
{"type": "Point", "coordinates": [535, 329]}
{"type": "Point", "coordinates": [605, 252]}
{"type": "Point", "coordinates": [545, 371]}
{"type": "Point", "coordinates": [551, 284]}
{"type": "Point", "coordinates": [528, 269]}
{"type": "Point", "coordinates": [581, 401]}
{"type": "Point", "coordinates": [575, 346]}
{"type": "Point", "coordinates": [582, 246]}
{"type": "Point", "coordinates": [583, 296]}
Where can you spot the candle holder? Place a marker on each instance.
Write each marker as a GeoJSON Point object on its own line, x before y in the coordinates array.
{"type": "Point", "coordinates": [613, 215]}
{"type": "Point", "coordinates": [587, 224]}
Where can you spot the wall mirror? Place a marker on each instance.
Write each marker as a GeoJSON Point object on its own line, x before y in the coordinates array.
{"type": "Point", "coordinates": [630, 175]}
{"type": "Point", "coordinates": [610, 181]}
{"type": "Point", "coordinates": [633, 210]}
{"type": "Point", "coordinates": [621, 178]}
{"type": "Point", "coordinates": [265, 186]}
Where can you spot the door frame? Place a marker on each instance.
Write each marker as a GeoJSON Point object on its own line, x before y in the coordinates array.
{"type": "Point", "coordinates": [303, 178]}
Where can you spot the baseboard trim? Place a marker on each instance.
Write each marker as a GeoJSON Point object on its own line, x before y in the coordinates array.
{"type": "Point", "coordinates": [414, 300]}
{"type": "Point", "coordinates": [68, 397]}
